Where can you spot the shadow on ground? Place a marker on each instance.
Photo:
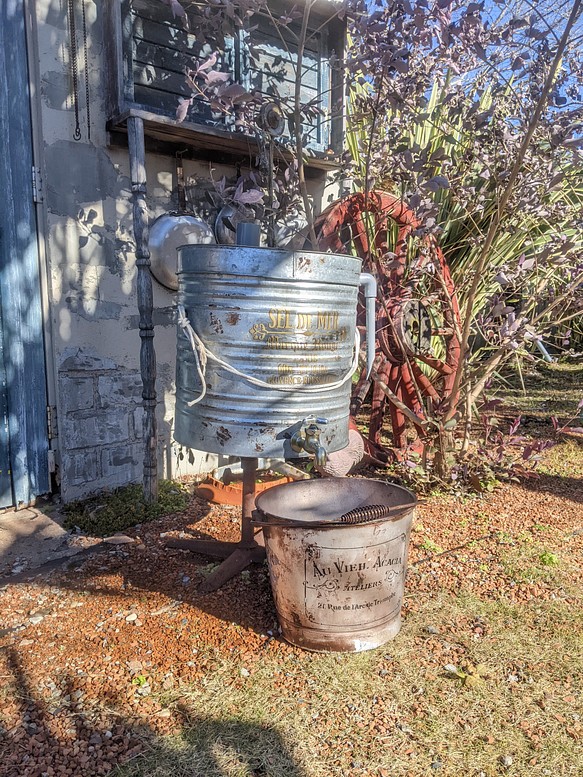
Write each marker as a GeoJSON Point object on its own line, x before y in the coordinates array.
{"type": "Point", "coordinates": [67, 739]}
{"type": "Point", "coordinates": [556, 485]}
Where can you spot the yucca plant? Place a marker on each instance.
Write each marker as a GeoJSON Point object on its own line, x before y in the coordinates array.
{"type": "Point", "coordinates": [531, 243]}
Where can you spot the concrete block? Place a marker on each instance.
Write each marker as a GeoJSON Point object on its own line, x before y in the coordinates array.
{"type": "Point", "coordinates": [100, 427]}
{"type": "Point", "coordinates": [75, 393]}
{"type": "Point", "coordinates": [137, 423]}
{"type": "Point", "coordinates": [80, 469]}
{"type": "Point", "coordinates": [122, 464]}
{"type": "Point", "coordinates": [119, 389]}
{"type": "Point", "coordinates": [84, 359]}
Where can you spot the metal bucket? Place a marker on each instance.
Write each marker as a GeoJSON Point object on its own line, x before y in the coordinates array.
{"type": "Point", "coordinates": [285, 318]}
{"type": "Point", "coordinates": [338, 586]}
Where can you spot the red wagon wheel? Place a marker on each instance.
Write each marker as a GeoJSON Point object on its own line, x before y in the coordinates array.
{"type": "Point", "coordinates": [417, 323]}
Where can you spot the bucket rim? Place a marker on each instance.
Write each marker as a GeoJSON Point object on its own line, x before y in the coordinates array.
{"type": "Point", "coordinates": [200, 248]}
{"type": "Point", "coordinates": [263, 518]}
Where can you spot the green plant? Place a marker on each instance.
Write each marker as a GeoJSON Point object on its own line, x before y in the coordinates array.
{"type": "Point", "coordinates": [431, 546]}
{"type": "Point", "coordinates": [117, 510]}
{"type": "Point", "coordinates": [548, 559]}
{"type": "Point", "coordinates": [456, 129]}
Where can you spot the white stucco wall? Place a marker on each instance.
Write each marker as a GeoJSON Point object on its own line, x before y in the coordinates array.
{"type": "Point", "coordinates": [91, 317]}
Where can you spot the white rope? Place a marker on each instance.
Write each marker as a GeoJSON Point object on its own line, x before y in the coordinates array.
{"type": "Point", "coordinates": [202, 355]}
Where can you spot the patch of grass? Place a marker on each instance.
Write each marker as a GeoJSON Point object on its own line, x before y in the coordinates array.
{"type": "Point", "coordinates": [551, 390]}
{"type": "Point", "coordinates": [533, 564]}
{"type": "Point", "coordinates": [396, 710]}
{"type": "Point", "coordinates": [548, 559]}
{"type": "Point", "coordinates": [564, 460]}
{"type": "Point", "coordinates": [431, 546]}
{"type": "Point", "coordinates": [117, 510]}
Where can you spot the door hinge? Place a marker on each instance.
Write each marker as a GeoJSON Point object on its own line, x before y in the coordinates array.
{"type": "Point", "coordinates": [52, 422]}
{"type": "Point", "coordinates": [37, 185]}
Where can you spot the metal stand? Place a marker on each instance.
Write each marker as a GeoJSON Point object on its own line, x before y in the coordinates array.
{"type": "Point", "coordinates": [236, 555]}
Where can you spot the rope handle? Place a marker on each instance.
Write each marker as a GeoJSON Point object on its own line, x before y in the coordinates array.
{"type": "Point", "coordinates": [202, 354]}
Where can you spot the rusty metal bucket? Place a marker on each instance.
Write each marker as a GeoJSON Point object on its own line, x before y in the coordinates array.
{"type": "Point", "coordinates": [337, 556]}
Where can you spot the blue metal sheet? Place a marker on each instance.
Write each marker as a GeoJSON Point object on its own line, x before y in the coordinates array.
{"type": "Point", "coordinates": [24, 389]}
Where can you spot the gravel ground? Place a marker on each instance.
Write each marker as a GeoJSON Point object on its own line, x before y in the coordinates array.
{"type": "Point", "coordinates": [87, 655]}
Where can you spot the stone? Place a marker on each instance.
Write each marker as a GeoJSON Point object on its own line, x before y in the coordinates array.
{"type": "Point", "coordinates": [76, 393]}
{"type": "Point", "coordinates": [122, 464]}
{"type": "Point", "coordinates": [86, 429]}
{"type": "Point", "coordinates": [119, 539]}
{"type": "Point", "coordinates": [80, 468]}
{"type": "Point", "coordinates": [120, 389]}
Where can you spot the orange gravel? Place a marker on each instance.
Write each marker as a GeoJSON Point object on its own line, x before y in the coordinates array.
{"type": "Point", "coordinates": [84, 653]}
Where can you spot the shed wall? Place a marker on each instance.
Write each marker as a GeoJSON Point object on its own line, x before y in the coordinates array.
{"type": "Point", "coordinates": [90, 264]}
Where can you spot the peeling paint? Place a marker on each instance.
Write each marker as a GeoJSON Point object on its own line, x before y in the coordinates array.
{"type": "Point", "coordinates": [78, 174]}
{"type": "Point", "coordinates": [56, 90]}
{"type": "Point", "coordinates": [160, 316]}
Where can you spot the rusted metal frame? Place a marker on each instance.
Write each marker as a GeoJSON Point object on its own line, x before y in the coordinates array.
{"type": "Point", "coordinates": [425, 385]}
{"type": "Point", "coordinates": [397, 416]}
{"type": "Point", "coordinates": [378, 402]}
{"type": "Point", "coordinates": [145, 306]}
{"type": "Point", "coordinates": [360, 392]}
{"type": "Point", "coordinates": [406, 365]}
{"type": "Point", "coordinates": [420, 423]}
{"type": "Point", "coordinates": [249, 466]}
{"type": "Point", "coordinates": [436, 364]}
{"type": "Point", "coordinates": [236, 555]}
{"type": "Point", "coordinates": [360, 237]}
{"type": "Point", "coordinates": [451, 317]}
{"type": "Point", "coordinates": [405, 399]}
{"type": "Point", "coordinates": [410, 391]}
{"type": "Point", "coordinates": [247, 550]}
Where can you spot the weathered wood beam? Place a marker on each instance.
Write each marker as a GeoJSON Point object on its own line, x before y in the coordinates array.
{"type": "Point", "coordinates": [145, 305]}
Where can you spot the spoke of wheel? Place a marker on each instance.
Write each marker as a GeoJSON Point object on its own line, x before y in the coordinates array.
{"type": "Point", "coordinates": [359, 393]}
{"type": "Point", "coordinates": [360, 237]}
{"type": "Point", "coordinates": [409, 392]}
{"type": "Point", "coordinates": [361, 222]}
{"type": "Point", "coordinates": [398, 422]}
{"type": "Point", "coordinates": [378, 403]}
{"type": "Point", "coordinates": [436, 364]}
{"type": "Point", "coordinates": [426, 386]}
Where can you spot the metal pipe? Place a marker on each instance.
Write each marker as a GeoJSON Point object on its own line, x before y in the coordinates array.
{"type": "Point", "coordinates": [546, 355]}
{"type": "Point", "coordinates": [370, 295]}
{"type": "Point", "coordinates": [249, 466]}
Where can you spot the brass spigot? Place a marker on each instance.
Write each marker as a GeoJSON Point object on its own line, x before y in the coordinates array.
{"type": "Point", "coordinates": [308, 439]}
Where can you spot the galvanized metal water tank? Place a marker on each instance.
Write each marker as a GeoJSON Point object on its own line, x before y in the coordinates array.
{"type": "Point", "coordinates": [284, 318]}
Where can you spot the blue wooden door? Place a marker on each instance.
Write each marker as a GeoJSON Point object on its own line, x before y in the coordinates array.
{"type": "Point", "coordinates": [5, 478]}
{"type": "Point", "coordinates": [23, 418]}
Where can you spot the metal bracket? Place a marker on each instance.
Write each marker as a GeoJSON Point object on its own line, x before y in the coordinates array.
{"type": "Point", "coordinates": [52, 428]}
{"type": "Point", "coordinates": [37, 185]}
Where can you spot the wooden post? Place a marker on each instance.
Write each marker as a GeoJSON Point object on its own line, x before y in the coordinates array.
{"type": "Point", "coordinates": [145, 305]}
